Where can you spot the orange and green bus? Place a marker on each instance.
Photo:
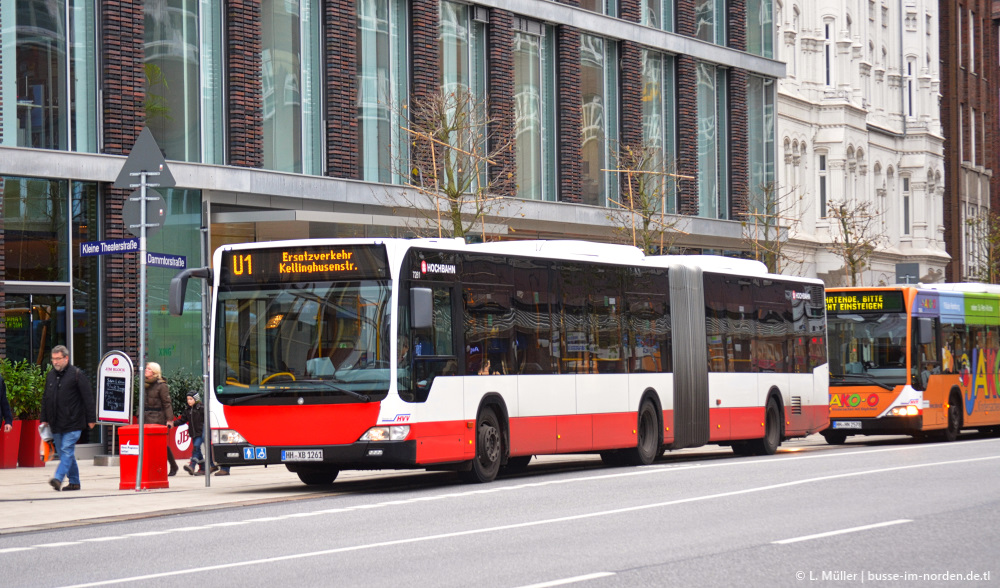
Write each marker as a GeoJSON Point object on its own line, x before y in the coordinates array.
{"type": "Point", "coordinates": [921, 361]}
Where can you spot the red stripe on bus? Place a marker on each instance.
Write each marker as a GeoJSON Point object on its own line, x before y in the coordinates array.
{"type": "Point", "coordinates": [317, 424]}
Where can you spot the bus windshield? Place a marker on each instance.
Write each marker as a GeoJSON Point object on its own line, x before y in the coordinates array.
{"type": "Point", "coordinates": [315, 342]}
{"type": "Point", "coordinates": [867, 349]}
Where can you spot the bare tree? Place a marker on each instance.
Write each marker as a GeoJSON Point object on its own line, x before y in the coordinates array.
{"type": "Point", "coordinates": [857, 233]}
{"type": "Point", "coordinates": [767, 227]}
{"type": "Point", "coordinates": [985, 229]}
{"type": "Point", "coordinates": [455, 165]}
{"type": "Point", "coordinates": [641, 218]}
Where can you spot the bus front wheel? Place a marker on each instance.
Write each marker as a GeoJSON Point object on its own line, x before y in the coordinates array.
{"type": "Point", "coordinates": [834, 437]}
{"type": "Point", "coordinates": [954, 419]}
{"type": "Point", "coordinates": [489, 446]}
{"type": "Point", "coordinates": [317, 476]}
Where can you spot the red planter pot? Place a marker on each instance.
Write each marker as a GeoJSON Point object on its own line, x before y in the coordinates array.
{"type": "Point", "coordinates": [28, 455]}
{"type": "Point", "coordinates": [9, 442]}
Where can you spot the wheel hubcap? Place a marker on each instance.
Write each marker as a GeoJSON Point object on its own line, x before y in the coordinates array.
{"type": "Point", "coordinates": [491, 445]}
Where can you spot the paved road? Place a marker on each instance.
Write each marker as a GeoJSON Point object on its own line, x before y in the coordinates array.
{"type": "Point", "coordinates": [813, 515]}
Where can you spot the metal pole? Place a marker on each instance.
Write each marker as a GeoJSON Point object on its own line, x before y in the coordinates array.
{"type": "Point", "coordinates": [142, 325]}
{"type": "Point", "coordinates": [206, 318]}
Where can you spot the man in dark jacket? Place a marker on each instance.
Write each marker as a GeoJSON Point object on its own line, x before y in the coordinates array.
{"type": "Point", "coordinates": [6, 416]}
{"type": "Point", "coordinates": [67, 407]}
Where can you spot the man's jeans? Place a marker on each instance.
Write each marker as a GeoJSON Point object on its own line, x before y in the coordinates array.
{"type": "Point", "coordinates": [66, 444]}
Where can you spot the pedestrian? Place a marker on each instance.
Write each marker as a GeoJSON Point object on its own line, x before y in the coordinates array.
{"type": "Point", "coordinates": [6, 416]}
{"type": "Point", "coordinates": [67, 408]}
{"type": "Point", "coordinates": [194, 416]}
{"type": "Point", "coordinates": [158, 407]}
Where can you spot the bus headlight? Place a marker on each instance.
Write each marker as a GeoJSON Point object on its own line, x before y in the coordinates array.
{"type": "Point", "coordinates": [394, 433]}
{"type": "Point", "coordinates": [226, 436]}
{"type": "Point", "coordinates": [908, 410]}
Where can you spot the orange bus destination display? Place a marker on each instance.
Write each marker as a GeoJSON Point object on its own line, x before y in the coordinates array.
{"type": "Point", "coordinates": [851, 302]}
{"type": "Point", "coordinates": [304, 264]}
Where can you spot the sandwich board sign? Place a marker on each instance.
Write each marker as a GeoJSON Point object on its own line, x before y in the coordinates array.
{"type": "Point", "coordinates": [114, 389]}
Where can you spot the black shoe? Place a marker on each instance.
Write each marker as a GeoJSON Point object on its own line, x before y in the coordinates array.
{"type": "Point", "coordinates": [173, 470]}
{"type": "Point", "coordinates": [188, 469]}
{"type": "Point", "coordinates": [56, 484]}
{"type": "Point", "coordinates": [71, 487]}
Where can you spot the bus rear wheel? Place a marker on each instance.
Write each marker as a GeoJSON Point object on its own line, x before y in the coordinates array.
{"type": "Point", "coordinates": [834, 437]}
{"type": "Point", "coordinates": [489, 446]}
{"type": "Point", "coordinates": [768, 444]}
{"type": "Point", "coordinates": [647, 438]}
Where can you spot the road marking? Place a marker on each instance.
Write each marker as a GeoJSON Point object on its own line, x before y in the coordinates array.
{"type": "Point", "coordinates": [61, 544]}
{"type": "Point", "coordinates": [524, 525]}
{"type": "Point", "coordinates": [645, 471]}
{"type": "Point", "coordinates": [13, 549]}
{"type": "Point", "coordinates": [842, 531]}
{"type": "Point", "coordinates": [572, 580]}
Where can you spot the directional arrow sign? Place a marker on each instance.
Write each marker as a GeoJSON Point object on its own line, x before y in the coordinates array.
{"type": "Point", "coordinates": [145, 157]}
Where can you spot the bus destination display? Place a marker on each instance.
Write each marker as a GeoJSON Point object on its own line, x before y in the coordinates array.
{"type": "Point", "coordinates": [304, 264]}
{"type": "Point", "coordinates": [848, 302]}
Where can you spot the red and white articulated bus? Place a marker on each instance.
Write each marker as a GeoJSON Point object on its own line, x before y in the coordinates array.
{"type": "Point", "coordinates": [431, 353]}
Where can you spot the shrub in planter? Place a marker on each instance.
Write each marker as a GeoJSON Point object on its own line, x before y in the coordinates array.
{"type": "Point", "coordinates": [25, 385]}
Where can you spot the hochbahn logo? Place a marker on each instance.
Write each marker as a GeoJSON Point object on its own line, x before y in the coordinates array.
{"type": "Point", "coordinates": [437, 268]}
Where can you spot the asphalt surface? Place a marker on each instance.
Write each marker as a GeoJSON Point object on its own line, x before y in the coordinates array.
{"type": "Point", "coordinates": [880, 513]}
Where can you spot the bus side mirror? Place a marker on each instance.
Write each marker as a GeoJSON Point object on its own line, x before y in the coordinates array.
{"type": "Point", "coordinates": [925, 331]}
{"type": "Point", "coordinates": [178, 287]}
{"type": "Point", "coordinates": [421, 308]}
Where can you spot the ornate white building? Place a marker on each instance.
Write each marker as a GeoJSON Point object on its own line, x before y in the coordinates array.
{"type": "Point", "coordinates": [859, 121]}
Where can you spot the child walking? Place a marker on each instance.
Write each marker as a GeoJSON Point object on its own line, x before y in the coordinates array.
{"type": "Point", "coordinates": [194, 416]}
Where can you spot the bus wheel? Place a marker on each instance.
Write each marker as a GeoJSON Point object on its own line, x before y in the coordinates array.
{"type": "Point", "coordinates": [834, 437]}
{"type": "Point", "coordinates": [486, 464]}
{"type": "Point", "coordinates": [648, 441]}
{"type": "Point", "coordinates": [516, 465]}
{"type": "Point", "coordinates": [954, 419]}
{"type": "Point", "coordinates": [769, 443]}
{"type": "Point", "coordinates": [318, 476]}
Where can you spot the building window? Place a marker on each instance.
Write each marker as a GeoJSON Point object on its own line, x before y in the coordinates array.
{"type": "Point", "coordinates": [599, 113]}
{"type": "Point", "coordinates": [828, 51]}
{"type": "Point", "coordinates": [909, 86]}
{"type": "Point", "coordinates": [710, 21]}
{"type": "Point", "coordinates": [822, 186]}
{"type": "Point", "coordinates": [609, 7]}
{"type": "Point", "coordinates": [292, 81]}
{"type": "Point", "coordinates": [972, 42]}
{"type": "Point", "coordinates": [184, 90]}
{"type": "Point", "coordinates": [713, 147]}
{"type": "Point", "coordinates": [972, 136]}
{"type": "Point", "coordinates": [659, 133]}
{"type": "Point", "coordinates": [462, 44]}
{"type": "Point", "coordinates": [658, 14]}
{"type": "Point", "coordinates": [534, 111]}
{"type": "Point", "coordinates": [761, 154]}
{"type": "Point", "coordinates": [382, 87]}
{"type": "Point", "coordinates": [906, 205]}
{"type": "Point", "coordinates": [760, 28]}
{"type": "Point", "coordinates": [48, 89]}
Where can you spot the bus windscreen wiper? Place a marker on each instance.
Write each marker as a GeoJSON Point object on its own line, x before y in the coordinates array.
{"type": "Point", "coordinates": [863, 377]}
{"type": "Point", "coordinates": [323, 383]}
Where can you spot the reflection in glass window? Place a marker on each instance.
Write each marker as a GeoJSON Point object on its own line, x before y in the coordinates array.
{"type": "Point", "coordinates": [173, 94]}
{"type": "Point", "coordinates": [599, 112]}
{"type": "Point", "coordinates": [658, 14]}
{"type": "Point", "coordinates": [658, 119]}
{"type": "Point", "coordinates": [35, 226]}
{"type": "Point", "coordinates": [710, 21]}
{"type": "Point", "coordinates": [382, 87]}
{"type": "Point", "coordinates": [713, 148]}
{"type": "Point", "coordinates": [534, 115]}
{"type": "Point", "coordinates": [760, 28]}
{"type": "Point", "coordinates": [290, 38]}
{"type": "Point", "coordinates": [609, 7]}
{"type": "Point", "coordinates": [760, 119]}
{"type": "Point", "coordinates": [48, 90]}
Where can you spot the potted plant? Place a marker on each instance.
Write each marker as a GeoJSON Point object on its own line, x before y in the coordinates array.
{"type": "Point", "coordinates": [25, 385]}
{"type": "Point", "coordinates": [10, 441]}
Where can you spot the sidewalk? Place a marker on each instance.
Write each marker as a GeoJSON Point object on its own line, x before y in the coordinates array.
{"type": "Point", "coordinates": [28, 503]}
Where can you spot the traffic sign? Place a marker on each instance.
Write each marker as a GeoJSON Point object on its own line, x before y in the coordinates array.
{"type": "Point", "coordinates": [177, 262]}
{"type": "Point", "coordinates": [156, 211]}
{"type": "Point", "coordinates": [109, 246]}
{"type": "Point", "coordinates": [145, 157]}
